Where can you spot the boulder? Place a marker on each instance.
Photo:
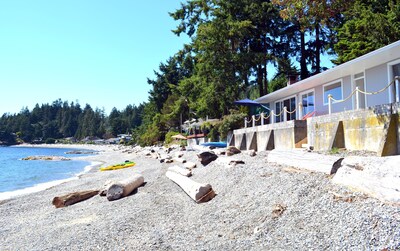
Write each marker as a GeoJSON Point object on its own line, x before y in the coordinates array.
{"type": "Point", "coordinates": [233, 149]}
{"type": "Point", "coordinates": [252, 153]}
{"type": "Point", "coordinates": [207, 157]}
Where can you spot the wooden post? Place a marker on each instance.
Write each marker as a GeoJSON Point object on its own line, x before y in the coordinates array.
{"type": "Point", "coordinates": [124, 187]}
{"type": "Point", "coordinates": [262, 118]}
{"type": "Point", "coordinates": [357, 98]}
{"type": "Point", "coordinates": [253, 119]}
{"type": "Point", "coordinates": [284, 113]}
{"type": "Point", "coordinates": [272, 117]}
{"type": "Point", "coordinates": [197, 191]}
{"type": "Point", "coordinates": [396, 87]}
{"type": "Point", "coordinates": [330, 103]}
{"type": "Point", "coordinates": [245, 122]}
{"type": "Point", "coordinates": [300, 113]}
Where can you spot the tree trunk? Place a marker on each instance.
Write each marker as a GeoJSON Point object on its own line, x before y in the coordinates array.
{"type": "Point", "coordinates": [72, 198]}
{"type": "Point", "coordinates": [124, 187]}
{"type": "Point", "coordinates": [317, 49]}
{"type": "Point", "coordinates": [197, 191]}
{"type": "Point", "coordinates": [260, 80]}
{"type": "Point", "coordinates": [303, 63]}
{"type": "Point", "coordinates": [265, 79]}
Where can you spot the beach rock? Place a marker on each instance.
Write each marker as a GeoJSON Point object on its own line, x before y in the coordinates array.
{"type": "Point", "coordinates": [220, 151]}
{"type": "Point", "coordinates": [147, 153]}
{"type": "Point", "coordinates": [207, 157]}
{"type": "Point", "coordinates": [180, 160]}
{"type": "Point", "coordinates": [189, 165]}
{"type": "Point", "coordinates": [252, 153]}
{"type": "Point", "coordinates": [336, 165]}
{"type": "Point", "coordinates": [232, 150]}
{"type": "Point", "coordinates": [234, 162]}
{"type": "Point", "coordinates": [178, 154]}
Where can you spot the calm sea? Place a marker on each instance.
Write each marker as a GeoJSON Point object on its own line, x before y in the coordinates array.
{"type": "Point", "coordinates": [19, 177]}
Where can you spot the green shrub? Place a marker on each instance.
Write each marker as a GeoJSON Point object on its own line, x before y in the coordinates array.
{"type": "Point", "coordinates": [230, 122]}
{"type": "Point", "coordinates": [168, 137]}
{"type": "Point", "coordinates": [50, 141]}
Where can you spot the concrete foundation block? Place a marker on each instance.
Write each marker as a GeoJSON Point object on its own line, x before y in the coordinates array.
{"type": "Point", "coordinates": [251, 141]}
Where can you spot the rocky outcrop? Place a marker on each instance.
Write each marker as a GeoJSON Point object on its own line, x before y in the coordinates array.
{"type": "Point", "coordinates": [53, 158]}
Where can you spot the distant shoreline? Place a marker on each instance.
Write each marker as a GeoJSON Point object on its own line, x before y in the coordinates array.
{"type": "Point", "coordinates": [94, 163]}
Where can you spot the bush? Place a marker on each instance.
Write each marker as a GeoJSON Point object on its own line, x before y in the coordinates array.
{"type": "Point", "coordinates": [168, 137]}
{"type": "Point", "coordinates": [50, 141]}
{"type": "Point", "coordinates": [229, 123]}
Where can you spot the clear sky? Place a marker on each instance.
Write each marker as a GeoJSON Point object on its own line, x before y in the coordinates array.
{"type": "Point", "coordinates": [99, 52]}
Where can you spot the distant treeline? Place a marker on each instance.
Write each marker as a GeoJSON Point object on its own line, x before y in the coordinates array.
{"type": "Point", "coordinates": [63, 120]}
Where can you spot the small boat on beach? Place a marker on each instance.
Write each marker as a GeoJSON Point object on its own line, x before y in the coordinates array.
{"type": "Point", "coordinates": [118, 166]}
{"type": "Point", "coordinates": [215, 144]}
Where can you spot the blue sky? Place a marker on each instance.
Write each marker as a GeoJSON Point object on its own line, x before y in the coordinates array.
{"type": "Point", "coordinates": [91, 51]}
{"type": "Point", "coordinates": [95, 51]}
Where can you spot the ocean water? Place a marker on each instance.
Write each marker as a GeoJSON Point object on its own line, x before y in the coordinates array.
{"type": "Point", "coordinates": [19, 177]}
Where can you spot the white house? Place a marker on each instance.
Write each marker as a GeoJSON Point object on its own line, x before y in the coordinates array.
{"type": "Point", "coordinates": [369, 73]}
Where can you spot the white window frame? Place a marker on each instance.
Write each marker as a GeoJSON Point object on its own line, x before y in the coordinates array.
{"type": "Point", "coordinates": [353, 86]}
{"type": "Point", "coordinates": [283, 99]}
{"type": "Point", "coordinates": [306, 92]}
{"type": "Point", "coordinates": [332, 83]}
{"type": "Point", "coordinates": [390, 77]}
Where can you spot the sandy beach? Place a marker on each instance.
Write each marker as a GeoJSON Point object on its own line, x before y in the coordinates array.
{"type": "Point", "coordinates": [258, 206]}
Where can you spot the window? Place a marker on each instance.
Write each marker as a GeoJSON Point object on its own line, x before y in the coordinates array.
{"type": "Point", "coordinates": [290, 104]}
{"type": "Point", "coordinates": [359, 82]}
{"type": "Point", "coordinates": [396, 70]}
{"type": "Point", "coordinates": [307, 100]}
{"type": "Point", "coordinates": [335, 89]}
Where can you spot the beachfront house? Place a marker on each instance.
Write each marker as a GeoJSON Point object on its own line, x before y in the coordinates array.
{"type": "Point", "coordinates": [354, 105]}
{"type": "Point", "coordinates": [369, 73]}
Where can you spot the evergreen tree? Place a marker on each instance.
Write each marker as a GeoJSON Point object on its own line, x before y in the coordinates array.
{"type": "Point", "coordinates": [369, 25]}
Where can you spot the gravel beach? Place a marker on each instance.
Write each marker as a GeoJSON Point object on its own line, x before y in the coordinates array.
{"type": "Point", "coordinates": [258, 206]}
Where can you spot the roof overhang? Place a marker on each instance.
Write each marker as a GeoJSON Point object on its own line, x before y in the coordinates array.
{"type": "Point", "coordinates": [385, 54]}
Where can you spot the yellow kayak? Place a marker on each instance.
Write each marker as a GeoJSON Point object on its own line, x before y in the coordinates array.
{"type": "Point", "coordinates": [118, 166]}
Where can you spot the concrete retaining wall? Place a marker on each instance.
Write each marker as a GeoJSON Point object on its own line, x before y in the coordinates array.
{"type": "Point", "coordinates": [374, 129]}
{"type": "Point", "coordinates": [285, 135]}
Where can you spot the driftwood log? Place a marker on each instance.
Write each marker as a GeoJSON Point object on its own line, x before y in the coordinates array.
{"type": "Point", "coordinates": [72, 198]}
{"type": "Point", "coordinates": [124, 187]}
{"type": "Point", "coordinates": [197, 191]}
{"type": "Point", "coordinates": [180, 170]}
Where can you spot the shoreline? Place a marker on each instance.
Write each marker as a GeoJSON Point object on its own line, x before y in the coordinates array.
{"type": "Point", "coordinates": [93, 164]}
{"type": "Point", "coordinates": [160, 216]}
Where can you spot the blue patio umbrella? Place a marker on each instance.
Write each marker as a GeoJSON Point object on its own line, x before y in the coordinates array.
{"type": "Point", "coordinates": [246, 102]}
{"type": "Point", "coordinates": [249, 102]}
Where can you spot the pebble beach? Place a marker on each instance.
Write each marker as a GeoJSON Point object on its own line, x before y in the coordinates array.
{"type": "Point", "coordinates": [258, 206]}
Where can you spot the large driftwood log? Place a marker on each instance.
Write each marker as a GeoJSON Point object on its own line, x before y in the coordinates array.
{"type": "Point", "coordinates": [124, 187]}
{"type": "Point", "coordinates": [303, 160]}
{"type": "Point", "coordinates": [72, 198]}
{"type": "Point", "coordinates": [180, 170]}
{"type": "Point", "coordinates": [197, 191]}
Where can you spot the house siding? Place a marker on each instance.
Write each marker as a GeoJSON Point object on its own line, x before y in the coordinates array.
{"type": "Point", "coordinates": [376, 79]}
